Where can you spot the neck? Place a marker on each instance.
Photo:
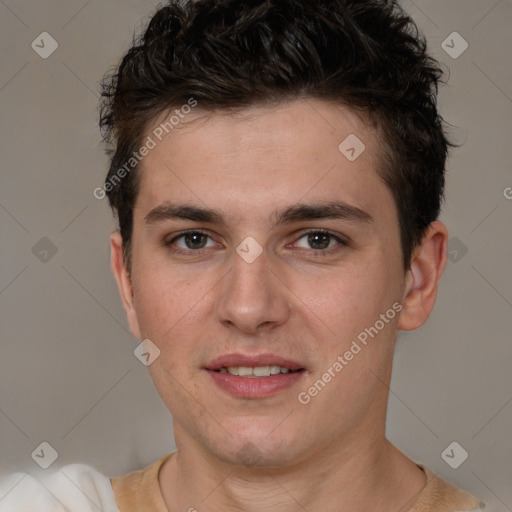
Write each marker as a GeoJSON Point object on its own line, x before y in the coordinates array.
{"type": "Point", "coordinates": [367, 476]}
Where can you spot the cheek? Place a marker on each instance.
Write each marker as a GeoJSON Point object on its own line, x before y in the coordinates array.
{"type": "Point", "coordinates": [153, 303]}
{"type": "Point", "coordinates": [350, 297]}
{"type": "Point", "coordinates": [167, 310]}
{"type": "Point", "coordinates": [172, 312]}
{"type": "Point", "coordinates": [350, 309]}
{"type": "Point", "coordinates": [160, 303]}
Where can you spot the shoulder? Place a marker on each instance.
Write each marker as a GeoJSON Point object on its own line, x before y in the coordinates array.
{"type": "Point", "coordinates": [73, 488]}
{"type": "Point", "coordinates": [140, 490]}
{"type": "Point", "coordinates": [440, 496]}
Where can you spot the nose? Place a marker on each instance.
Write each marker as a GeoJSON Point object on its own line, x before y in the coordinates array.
{"type": "Point", "coordinates": [252, 297]}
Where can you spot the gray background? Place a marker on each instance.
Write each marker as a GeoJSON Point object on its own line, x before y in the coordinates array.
{"type": "Point", "coordinates": [68, 375]}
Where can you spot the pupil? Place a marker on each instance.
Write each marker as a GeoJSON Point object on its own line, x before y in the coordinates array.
{"type": "Point", "coordinates": [321, 238]}
{"type": "Point", "coordinates": [193, 240]}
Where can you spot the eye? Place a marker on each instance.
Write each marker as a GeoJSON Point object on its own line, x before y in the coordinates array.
{"type": "Point", "coordinates": [320, 240]}
{"type": "Point", "coordinates": [191, 241]}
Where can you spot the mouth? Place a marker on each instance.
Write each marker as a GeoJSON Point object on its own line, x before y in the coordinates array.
{"type": "Point", "coordinates": [259, 365]}
{"type": "Point", "coordinates": [254, 376]}
{"type": "Point", "coordinates": [256, 372]}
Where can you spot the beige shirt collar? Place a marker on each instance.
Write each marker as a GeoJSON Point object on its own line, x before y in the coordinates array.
{"type": "Point", "coordinates": [140, 492]}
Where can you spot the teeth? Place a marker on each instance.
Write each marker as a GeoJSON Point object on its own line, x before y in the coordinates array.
{"type": "Point", "coordinates": [243, 371]}
{"type": "Point", "coordinates": [261, 371]}
{"type": "Point", "coordinates": [258, 371]}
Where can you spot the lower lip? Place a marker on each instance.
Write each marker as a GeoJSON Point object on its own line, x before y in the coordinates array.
{"type": "Point", "coordinates": [259, 387]}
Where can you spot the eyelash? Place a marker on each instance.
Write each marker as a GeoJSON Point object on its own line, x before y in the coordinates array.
{"type": "Point", "coordinates": [317, 252]}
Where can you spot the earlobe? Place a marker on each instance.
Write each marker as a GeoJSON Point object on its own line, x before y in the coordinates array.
{"type": "Point", "coordinates": [422, 279]}
{"type": "Point", "coordinates": [124, 281]}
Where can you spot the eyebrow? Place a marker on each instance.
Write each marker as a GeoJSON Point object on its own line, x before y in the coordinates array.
{"type": "Point", "coordinates": [297, 212]}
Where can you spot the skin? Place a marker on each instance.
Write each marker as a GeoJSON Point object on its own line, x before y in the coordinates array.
{"type": "Point", "coordinates": [331, 454]}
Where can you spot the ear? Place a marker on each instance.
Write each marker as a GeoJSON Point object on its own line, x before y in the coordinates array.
{"type": "Point", "coordinates": [422, 279]}
{"type": "Point", "coordinates": [124, 281]}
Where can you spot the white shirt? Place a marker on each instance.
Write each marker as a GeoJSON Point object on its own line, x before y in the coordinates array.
{"type": "Point", "coordinates": [73, 488]}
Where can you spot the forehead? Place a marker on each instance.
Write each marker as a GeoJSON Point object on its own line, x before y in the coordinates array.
{"type": "Point", "coordinates": [262, 154]}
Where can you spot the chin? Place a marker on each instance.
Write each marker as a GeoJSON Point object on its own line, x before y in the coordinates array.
{"type": "Point", "coordinates": [263, 448]}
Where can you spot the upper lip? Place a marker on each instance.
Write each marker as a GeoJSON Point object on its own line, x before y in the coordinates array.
{"type": "Point", "coordinates": [228, 360]}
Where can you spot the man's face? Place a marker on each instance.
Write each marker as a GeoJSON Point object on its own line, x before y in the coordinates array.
{"type": "Point", "coordinates": [304, 299]}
